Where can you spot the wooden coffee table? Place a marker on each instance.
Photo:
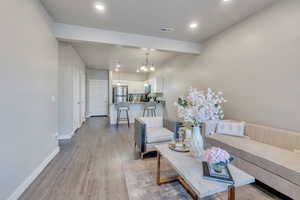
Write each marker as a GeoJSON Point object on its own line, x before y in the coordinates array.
{"type": "Point", "coordinates": [190, 174]}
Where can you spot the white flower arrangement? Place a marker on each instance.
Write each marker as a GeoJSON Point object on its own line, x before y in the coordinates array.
{"type": "Point", "coordinates": [200, 106]}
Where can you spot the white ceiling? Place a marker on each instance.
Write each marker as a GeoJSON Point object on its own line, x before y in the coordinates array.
{"type": "Point", "coordinates": [146, 17]}
{"type": "Point", "coordinates": [105, 56]}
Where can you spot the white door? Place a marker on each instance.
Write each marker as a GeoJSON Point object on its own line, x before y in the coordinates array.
{"type": "Point", "coordinates": [76, 99]}
{"type": "Point", "coordinates": [98, 97]}
{"type": "Point", "coordinates": [82, 97]}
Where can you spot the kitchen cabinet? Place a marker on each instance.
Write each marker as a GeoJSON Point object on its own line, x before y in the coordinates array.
{"type": "Point", "coordinates": [122, 82]}
{"type": "Point", "coordinates": [134, 87]}
{"type": "Point", "coordinates": [138, 87]}
{"type": "Point", "coordinates": [157, 84]}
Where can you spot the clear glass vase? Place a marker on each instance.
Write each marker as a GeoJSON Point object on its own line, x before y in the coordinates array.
{"type": "Point", "coordinates": [196, 146]}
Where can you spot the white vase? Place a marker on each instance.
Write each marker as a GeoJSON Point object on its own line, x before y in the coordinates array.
{"type": "Point", "coordinates": [196, 143]}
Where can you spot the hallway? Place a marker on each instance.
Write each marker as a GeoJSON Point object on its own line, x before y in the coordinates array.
{"type": "Point", "coordinates": [89, 167]}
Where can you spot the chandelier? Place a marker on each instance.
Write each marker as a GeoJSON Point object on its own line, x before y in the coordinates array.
{"type": "Point", "coordinates": [147, 66]}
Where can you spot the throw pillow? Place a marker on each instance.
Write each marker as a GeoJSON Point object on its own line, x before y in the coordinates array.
{"type": "Point", "coordinates": [210, 127]}
{"type": "Point", "coordinates": [297, 151]}
{"type": "Point", "coordinates": [233, 128]}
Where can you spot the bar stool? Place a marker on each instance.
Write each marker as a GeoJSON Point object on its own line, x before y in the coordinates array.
{"type": "Point", "coordinates": [150, 109]}
{"type": "Point", "coordinates": [122, 107]}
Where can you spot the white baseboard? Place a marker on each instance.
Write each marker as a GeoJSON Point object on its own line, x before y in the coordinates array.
{"type": "Point", "coordinates": [26, 183]}
{"type": "Point", "coordinates": [66, 136]}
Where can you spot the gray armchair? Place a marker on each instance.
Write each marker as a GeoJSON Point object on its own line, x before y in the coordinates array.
{"type": "Point", "coordinates": [150, 131]}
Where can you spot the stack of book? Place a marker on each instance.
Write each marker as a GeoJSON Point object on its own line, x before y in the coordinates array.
{"type": "Point", "coordinates": [211, 174]}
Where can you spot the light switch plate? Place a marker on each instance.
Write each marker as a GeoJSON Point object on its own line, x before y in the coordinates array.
{"type": "Point", "coordinates": [53, 99]}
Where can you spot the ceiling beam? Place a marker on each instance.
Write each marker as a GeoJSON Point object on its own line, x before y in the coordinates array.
{"type": "Point", "coordinates": [84, 34]}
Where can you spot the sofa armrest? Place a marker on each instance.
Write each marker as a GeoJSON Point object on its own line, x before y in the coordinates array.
{"type": "Point", "coordinates": [173, 126]}
{"type": "Point", "coordinates": [140, 135]}
{"type": "Point", "coordinates": [152, 122]}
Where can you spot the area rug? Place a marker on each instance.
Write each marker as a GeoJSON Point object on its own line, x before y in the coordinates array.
{"type": "Point", "coordinates": [141, 185]}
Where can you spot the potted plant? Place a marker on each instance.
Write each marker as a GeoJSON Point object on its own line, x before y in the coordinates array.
{"type": "Point", "coordinates": [197, 107]}
{"type": "Point", "coordinates": [152, 96]}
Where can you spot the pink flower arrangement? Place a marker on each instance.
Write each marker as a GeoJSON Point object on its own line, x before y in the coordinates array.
{"type": "Point", "coordinates": [217, 155]}
{"type": "Point", "coordinates": [200, 106]}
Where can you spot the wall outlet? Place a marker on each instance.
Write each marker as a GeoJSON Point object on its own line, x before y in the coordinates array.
{"type": "Point", "coordinates": [53, 99]}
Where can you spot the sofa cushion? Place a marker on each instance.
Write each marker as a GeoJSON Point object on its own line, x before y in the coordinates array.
{"type": "Point", "coordinates": [281, 138]}
{"type": "Point", "coordinates": [281, 162]}
{"type": "Point", "coordinates": [155, 135]}
{"type": "Point", "coordinates": [152, 122]}
{"type": "Point", "coordinates": [229, 127]}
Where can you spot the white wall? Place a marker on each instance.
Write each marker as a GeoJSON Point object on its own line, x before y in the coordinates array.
{"type": "Point", "coordinates": [28, 81]}
{"type": "Point", "coordinates": [256, 63]}
{"type": "Point", "coordinates": [69, 63]}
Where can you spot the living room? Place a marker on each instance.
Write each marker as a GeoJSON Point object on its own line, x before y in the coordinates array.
{"type": "Point", "coordinates": [204, 85]}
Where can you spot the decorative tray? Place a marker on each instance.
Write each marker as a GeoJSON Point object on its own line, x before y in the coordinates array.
{"type": "Point", "coordinates": [177, 148]}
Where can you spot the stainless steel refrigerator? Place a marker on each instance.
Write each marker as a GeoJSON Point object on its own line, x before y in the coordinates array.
{"type": "Point", "coordinates": [120, 94]}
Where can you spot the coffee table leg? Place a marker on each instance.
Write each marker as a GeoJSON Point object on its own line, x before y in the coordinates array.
{"type": "Point", "coordinates": [158, 169]}
{"type": "Point", "coordinates": [160, 180]}
{"type": "Point", "coordinates": [188, 189]}
{"type": "Point", "coordinates": [231, 193]}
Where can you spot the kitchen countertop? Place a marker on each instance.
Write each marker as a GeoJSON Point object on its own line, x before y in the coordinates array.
{"type": "Point", "coordinates": [141, 102]}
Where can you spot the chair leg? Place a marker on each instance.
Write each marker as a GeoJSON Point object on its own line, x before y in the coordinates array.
{"type": "Point", "coordinates": [154, 112]}
{"type": "Point", "coordinates": [128, 118]}
{"type": "Point", "coordinates": [118, 118]}
{"type": "Point", "coordinates": [144, 113]}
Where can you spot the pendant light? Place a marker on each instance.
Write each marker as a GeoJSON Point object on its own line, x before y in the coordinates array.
{"type": "Point", "coordinates": [147, 66]}
{"type": "Point", "coordinates": [119, 83]}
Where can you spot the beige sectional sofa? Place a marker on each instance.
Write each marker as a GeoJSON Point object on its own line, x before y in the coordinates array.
{"type": "Point", "coordinates": [271, 155]}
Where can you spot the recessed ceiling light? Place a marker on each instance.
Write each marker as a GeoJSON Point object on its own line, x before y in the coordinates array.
{"type": "Point", "coordinates": [117, 69]}
{"type": "Point", "coordinates": [226, 1]}
{"type": "Point", "coordinates": [193, 25]}
{"type": "Point", "coordinates": [118, 65]}
{"type": "Point", "coordinates": [137, 70]}
{"type": "Point", "coordinates": [152, 49]}
{"type": "Point", "coordinates": [100, 6]}
{"type": "Point", "coordinates": [144, 49]}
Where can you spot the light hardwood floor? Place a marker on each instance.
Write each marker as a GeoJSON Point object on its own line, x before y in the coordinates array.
{"type": "Point", "coordinates": [89, 167]}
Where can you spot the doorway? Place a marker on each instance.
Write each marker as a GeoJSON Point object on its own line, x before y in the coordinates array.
{"type": "Point", "coordinates": [98, 97]}
{"type": "Point", "coordinates": [79, 96]}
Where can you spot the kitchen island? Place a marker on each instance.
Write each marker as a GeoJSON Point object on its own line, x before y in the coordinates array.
{"type": "Point", "coordinates": [136, 110]}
